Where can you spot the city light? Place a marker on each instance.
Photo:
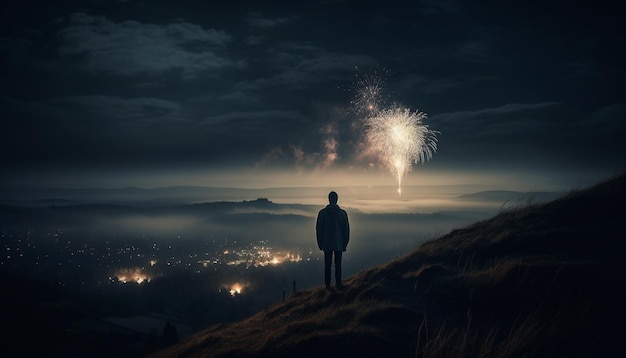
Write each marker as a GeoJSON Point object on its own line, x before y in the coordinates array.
{"type": "Point", "coordinates": [126, 275]}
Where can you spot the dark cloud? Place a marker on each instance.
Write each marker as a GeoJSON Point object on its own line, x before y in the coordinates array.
{"type": "Point", "coordinates": [609, 118]}
{"type": "Point", "coordinates": [432, 86]}
{"type": "Point", "coordinates": [297, 66]}
{"type": "Point", "coordinates": [131, 47]}
{"type": "Point", "coordinates": [497, 120]}
{"type": "Point", "coordinates": [533, 84]}
{"type": "Point", "coordinates": [262, 22]}
{"type": "Point", "coordinates": [126, 112]}
{"type": "Point", "coordinates": [13, 49]}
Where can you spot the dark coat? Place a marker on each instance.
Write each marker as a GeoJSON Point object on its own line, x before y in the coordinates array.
{"type": "Point", "coordinates": [332, 229]}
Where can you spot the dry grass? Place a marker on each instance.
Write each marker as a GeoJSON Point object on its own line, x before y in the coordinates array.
{"type": "Point", "coordinates": [314, 319]}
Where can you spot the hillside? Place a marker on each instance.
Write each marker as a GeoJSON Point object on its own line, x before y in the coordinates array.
{"type": "Point", "coordinates": [536, 280]}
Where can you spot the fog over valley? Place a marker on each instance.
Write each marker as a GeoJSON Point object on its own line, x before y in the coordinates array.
{"type": "Point", "coordinates": [206, 255]}
{"type": "Point", "coordinates": [382, 225]}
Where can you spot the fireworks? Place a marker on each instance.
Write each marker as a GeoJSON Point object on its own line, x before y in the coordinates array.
{"type": "Point", "coordinates": [397, 135]}
{"type": "Point", "coordinates": [400, 138]}
{"type": "Point", "coordinates": [368, 94]}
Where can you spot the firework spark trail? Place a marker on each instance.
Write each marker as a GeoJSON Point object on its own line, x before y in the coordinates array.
{"type": "Point", "coordinates": [401, 138]}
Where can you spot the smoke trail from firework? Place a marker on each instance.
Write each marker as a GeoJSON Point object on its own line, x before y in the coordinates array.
{"type": "Point", "coordinates": [401, 138]}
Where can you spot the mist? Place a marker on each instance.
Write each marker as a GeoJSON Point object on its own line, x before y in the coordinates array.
{"type": "Point", "coordinates": [383, 226]}
{"type": "Point", "coordinates": [200, 256]}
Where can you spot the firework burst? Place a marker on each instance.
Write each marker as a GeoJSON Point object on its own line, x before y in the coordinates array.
{"type": "Point", "coordinates": [368, 93]}
{"type": "Point", "coordinates": [400, 138]}
{"type": "Point", "coordinates": [397, 135]}
{"type": "Point", "coordinates": [368, 97]}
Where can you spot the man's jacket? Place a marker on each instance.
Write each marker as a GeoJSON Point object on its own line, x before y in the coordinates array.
{"type": "Point", "coordinates": [332, 229]}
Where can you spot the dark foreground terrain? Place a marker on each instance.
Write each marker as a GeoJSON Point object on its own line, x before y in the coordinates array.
{"type": "Point", "coordinates": [536, 280]}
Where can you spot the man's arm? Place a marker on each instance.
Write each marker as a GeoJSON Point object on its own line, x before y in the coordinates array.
{"type": "Point", "coordinates": [346, 230]}
{"type": "Point", "coordinates": [319, 229]}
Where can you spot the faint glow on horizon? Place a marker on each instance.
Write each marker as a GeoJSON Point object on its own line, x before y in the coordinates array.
{"type": "Point", "coordinates": [261, 178]}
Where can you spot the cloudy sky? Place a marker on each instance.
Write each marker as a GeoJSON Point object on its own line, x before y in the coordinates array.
{"type": "Point", "coordinates": [182, 92]}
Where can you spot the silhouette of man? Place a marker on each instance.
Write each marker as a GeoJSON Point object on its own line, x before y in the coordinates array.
{"type": "Point", "coordinates": [333, 233]}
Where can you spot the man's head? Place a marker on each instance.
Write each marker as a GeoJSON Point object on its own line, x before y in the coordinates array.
{"type": "Point", "coordinates": [332, 197]}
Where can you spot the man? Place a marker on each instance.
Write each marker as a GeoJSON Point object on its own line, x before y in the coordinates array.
{"type": "Point", "coordinates": [333, 233]}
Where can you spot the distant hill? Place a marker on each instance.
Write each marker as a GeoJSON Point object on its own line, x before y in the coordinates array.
{"type": "Point", "coordinates": [513, 197]}
{"type": "Point", "coordinates": [542, 279]}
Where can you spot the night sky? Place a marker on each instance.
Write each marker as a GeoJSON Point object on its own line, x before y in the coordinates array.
{"type": "Point", "coordinates": [97, 93]}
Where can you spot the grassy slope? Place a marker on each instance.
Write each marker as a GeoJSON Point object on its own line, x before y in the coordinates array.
{"type": "Point", "coordinates": [544, 279]}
